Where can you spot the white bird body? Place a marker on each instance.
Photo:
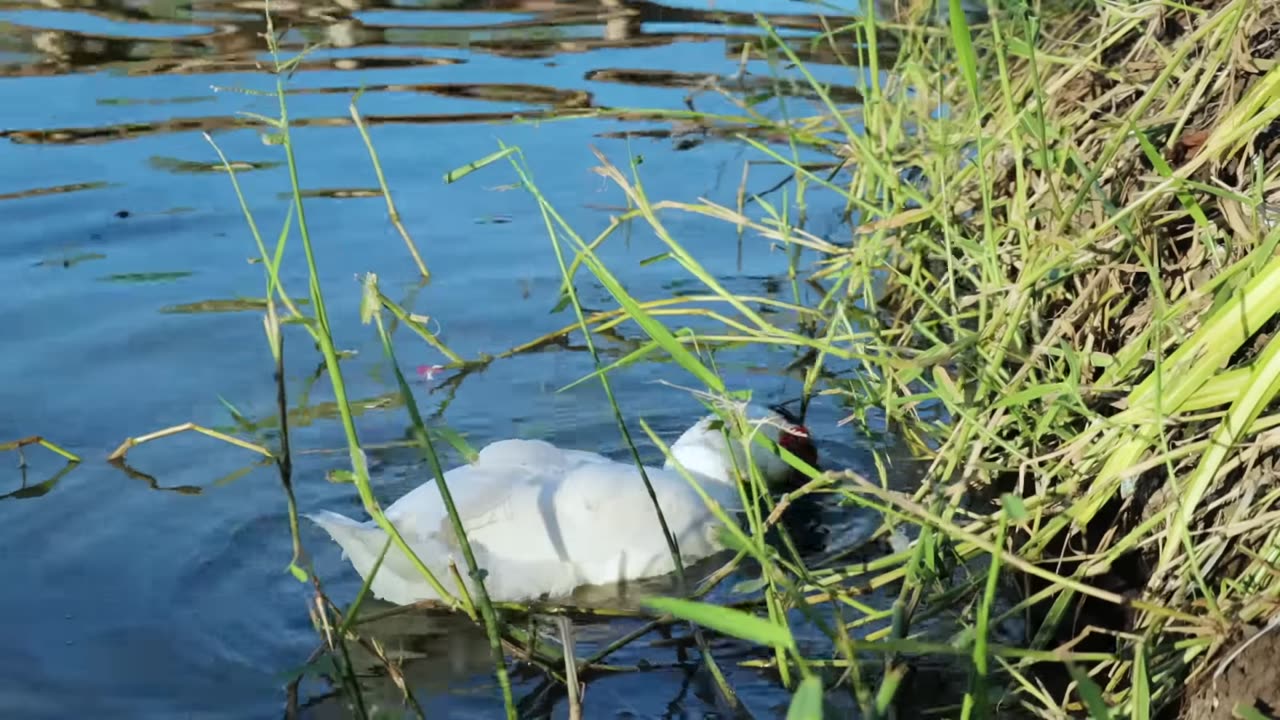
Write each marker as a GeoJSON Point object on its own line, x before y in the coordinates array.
{"type": "Point", "coordinates": [543, 520]}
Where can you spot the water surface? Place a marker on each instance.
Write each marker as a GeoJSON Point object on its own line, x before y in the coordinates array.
{"type": "Point", "coordinates": [159, 589]}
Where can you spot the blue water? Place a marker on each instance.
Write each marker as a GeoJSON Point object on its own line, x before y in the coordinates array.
{"type": "Point", "coordinates": [124, 600]}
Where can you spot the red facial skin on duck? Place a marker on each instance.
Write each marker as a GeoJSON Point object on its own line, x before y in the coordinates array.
{"type": "Point", "coordinates": [796, 440]}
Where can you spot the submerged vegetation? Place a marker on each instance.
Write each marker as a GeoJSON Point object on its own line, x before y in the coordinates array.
{"type": "Point", "coordinates": [1060, 283]}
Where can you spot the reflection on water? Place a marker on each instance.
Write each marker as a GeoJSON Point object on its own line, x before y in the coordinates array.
{"type": "Point", "coordinates": [132, 307]}
{"type": "Point", "coordinates": [224, 38]}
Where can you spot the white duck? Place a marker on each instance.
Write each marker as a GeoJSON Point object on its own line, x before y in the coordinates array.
{"type": "Point", "coordinates": [543, 520]}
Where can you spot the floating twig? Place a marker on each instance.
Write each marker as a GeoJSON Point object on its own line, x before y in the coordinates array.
{"type": "Point", "coordinates": [130, 443]}
{"type": "Point", "coordinates": [42, 442]}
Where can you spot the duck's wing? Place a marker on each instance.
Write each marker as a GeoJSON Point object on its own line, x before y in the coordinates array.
{"type": "Point", "coordinates": [474, 485]}
{"type": "Point", "coordinates": [420, 511]}
{"type": "Point", "coordinates": [598, 522]}
{"type": "Point", "coordinates": [609, 513]}
{"type": "Point", "coordinates": [506, 475]}
{"type": "Point", "coordinates": [505, 491]}
{"type": "Point", "coordinates": [492, 496]}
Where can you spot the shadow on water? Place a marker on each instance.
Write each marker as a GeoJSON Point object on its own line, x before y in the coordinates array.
{"type": "Point", "coordinates": [133, 308]}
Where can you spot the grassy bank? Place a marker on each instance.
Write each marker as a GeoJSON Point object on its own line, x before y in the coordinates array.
{"type": "Point", "coordinates": [1060, 242]}
{"type": "Point", "coordinates": [1081, 269]}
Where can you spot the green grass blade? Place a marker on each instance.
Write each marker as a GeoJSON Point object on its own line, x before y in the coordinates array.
{"type": "Point", "coordinates": [1263, 386]}
{"type": "Point", "coordinates": [736, 623]}
{"type": "Point", "coordinates": [458, 173]}
{"type": "Point", "coordinates": [1091, 694]}
{"type": "Point", "coordinates": [806, 703]}
{"type": "Point", "coordinates": [962, 39]}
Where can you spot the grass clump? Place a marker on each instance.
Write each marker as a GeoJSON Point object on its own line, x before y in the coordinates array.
{"type": "Point", "coordinates": [1060, 283]}
{"type": "Point", "coordinates": [1065, 240]}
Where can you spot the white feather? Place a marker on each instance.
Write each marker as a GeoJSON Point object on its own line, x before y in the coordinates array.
{"type": "Point", "coordinates": [543, 520]}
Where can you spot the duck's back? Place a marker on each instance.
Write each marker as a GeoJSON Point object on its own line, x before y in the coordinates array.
{"type": "Point", "coordinates": [499, 473]}
{"type": "Point", "coordinates": [544, 520]}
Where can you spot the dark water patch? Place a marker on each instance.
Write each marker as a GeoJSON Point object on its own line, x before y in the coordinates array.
{"type": "Point", "coordinates": [147, 277]}
{"type": "Point", "coordinates": [155, 101]}
{"type": "Point", "coordinates": [56, 190]}
{"type": "Point", "coordinates": [133, 131]}
{"type": "Point", "coordinates": [177, 165]}
{"type": "Point", "coordinates": [86, 22]}
{"type": "Point", "coordinates": [224, 305]}
{"type": "Point", "coordinates": [334, 193]}
{"type": "Point", "coordinates": [34, 481]}
{"type": "Point", "coordinates": [70, 260]}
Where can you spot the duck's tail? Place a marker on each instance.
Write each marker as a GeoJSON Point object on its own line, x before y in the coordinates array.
{"type": "Point", "coordinates": [396, 581]}
{"type": "Point", "coordinates": [360, 542]}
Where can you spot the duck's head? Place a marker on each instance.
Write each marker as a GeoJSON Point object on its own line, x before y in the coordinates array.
{"type": "Point", "coordinates": [703, 449]}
